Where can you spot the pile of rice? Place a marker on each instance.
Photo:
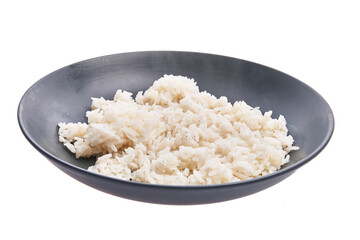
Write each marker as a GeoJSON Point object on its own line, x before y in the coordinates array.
{"type": "Point", "coordinates": [175, 134]}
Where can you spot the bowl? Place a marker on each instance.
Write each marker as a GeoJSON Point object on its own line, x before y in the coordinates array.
{"type": "Point", "coordinates": [64, 96]}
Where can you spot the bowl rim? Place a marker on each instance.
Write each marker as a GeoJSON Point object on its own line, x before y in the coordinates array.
{"type": "Point", "coordinates": [76, 169]}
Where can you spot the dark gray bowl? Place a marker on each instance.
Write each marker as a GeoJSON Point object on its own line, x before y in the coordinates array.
{"type": "Point", "coordinates": [64, 96]}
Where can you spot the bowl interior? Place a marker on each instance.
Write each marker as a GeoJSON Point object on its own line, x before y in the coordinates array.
{"type": "Point", "coordinates": [64, 95]}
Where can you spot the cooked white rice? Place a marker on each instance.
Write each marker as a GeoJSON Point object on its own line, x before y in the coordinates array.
{"type": "Point", "coordinates": [174, 134]}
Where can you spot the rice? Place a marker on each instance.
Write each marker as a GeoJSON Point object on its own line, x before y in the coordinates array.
{"type": "Point", "coordinates": [175, 134]}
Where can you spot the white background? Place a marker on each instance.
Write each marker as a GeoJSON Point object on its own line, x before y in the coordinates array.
{"type": "Point", "coordinates": [316, 42]}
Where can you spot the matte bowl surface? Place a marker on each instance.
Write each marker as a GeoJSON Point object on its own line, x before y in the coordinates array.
{"type": "Point", "coordinates": [64, 96]}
